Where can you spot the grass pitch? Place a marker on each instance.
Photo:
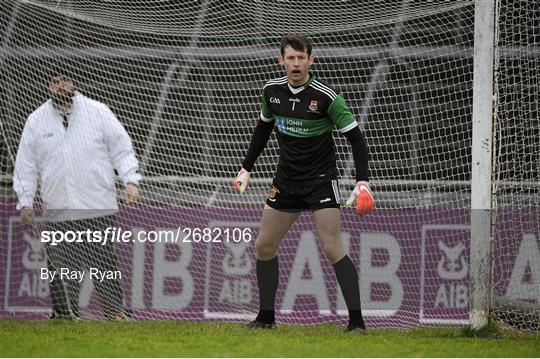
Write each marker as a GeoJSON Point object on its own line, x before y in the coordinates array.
{"type": "Point", "coordinates": [41, 338]}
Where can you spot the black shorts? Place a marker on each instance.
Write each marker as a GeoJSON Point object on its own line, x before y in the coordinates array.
{"type": "Point", "coordinates": [290, 197]}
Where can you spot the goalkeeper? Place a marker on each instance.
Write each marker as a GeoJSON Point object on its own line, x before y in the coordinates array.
{"type": "Point", "coordinates": [304, 112]}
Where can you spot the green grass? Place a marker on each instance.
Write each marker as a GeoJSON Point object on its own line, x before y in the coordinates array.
{"type": "Point", "coordinates": [25, 338]}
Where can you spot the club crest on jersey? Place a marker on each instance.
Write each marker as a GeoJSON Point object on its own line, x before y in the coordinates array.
{"type": "Point", "coordinates": [313, 105]}
{"type": "Point", "coordinates": [273, 192]}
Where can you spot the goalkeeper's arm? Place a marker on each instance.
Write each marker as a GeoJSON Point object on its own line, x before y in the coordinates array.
{"type": "Point", "coordinates": [361, 196]}
{"type": "Point", "coordinates": [360, 153]}
{"type": "Point", "coordinates": [260, 137]}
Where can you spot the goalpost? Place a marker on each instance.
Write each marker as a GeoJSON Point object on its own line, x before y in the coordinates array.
{"type": "Point", "coordinates": [446, 94]}
{"type": "Point", "coordinates": [481, 176]}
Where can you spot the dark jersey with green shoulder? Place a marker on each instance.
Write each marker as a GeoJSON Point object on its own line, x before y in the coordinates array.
{"type": "Point", "coordinates": [304, 119]}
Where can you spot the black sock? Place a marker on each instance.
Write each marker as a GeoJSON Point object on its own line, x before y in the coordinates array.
{"type": "Point", "coordinates": [347, 278]}
{"type": "Point", "coordinates": [267, 280]}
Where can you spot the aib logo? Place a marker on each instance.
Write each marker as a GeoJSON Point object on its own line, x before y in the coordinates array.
{"type": "Point", "coordinates": [452, 265]}
{"type": "Point", "coordinates": [34, 256]}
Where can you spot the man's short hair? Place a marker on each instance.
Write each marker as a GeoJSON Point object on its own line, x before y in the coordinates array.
{"type": "Point", "coordinates": [59, 67]}
{"type": "Point", "coordinates": [298, 42]}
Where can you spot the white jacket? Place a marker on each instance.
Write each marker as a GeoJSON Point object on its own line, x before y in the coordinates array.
{"type": "Point", "coordinates": [75, 167]}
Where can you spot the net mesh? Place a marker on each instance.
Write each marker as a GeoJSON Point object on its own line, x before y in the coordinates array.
{"type": "Point", "coordinates": [185, 81]}
{"type": "Point", "coordinates": [517, 159]}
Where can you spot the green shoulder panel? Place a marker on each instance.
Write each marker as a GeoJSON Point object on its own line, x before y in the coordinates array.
{"type": "Point", "coordinates": [265, 108]}
{"type": "Point", "coordinates": [339, 113]}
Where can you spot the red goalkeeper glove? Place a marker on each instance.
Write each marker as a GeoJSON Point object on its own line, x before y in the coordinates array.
{"type": "Point", "coordinates": [242, 181]}
{"type": "Point", "coordinates": [361, 195]}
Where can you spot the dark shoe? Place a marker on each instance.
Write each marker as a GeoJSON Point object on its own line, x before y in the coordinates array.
{"type": "Point", "coordinates": [261, 325]}
{"type": "Point", "coordinates": [63, 316]}
{"type": "Point", "coordinates": [356, 329]}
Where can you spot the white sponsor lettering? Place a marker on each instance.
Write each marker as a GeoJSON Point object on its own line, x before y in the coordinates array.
{"type": "Point", "coordinates": [236, 261]}
{"type": "Point", "coordinates": [307, 255]}
{"type": "Point", "coordinates": [32, 285]}
{"type": "Point", "coordinates": [34, 256]}
{"type": "Point", "coordinates": [294, 101]}
{"type": "Point", "coordinates": [528, 259]}
{"type": "Point", "coordinates": [452, 265]}
{"type": "Point", "coordinates": [387, 274]}
{"type": "Point", "coordinates": [235, 291]}
{"type": "Point", "coordinates": [452, 295]}
{"type": "Point", "coordinates": [165, 268]}
{"type": "Point", "coordinates": [137, 273]}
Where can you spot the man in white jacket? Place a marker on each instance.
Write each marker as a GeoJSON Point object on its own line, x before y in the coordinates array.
{"type": "Point", "coordinates": [72, 145]}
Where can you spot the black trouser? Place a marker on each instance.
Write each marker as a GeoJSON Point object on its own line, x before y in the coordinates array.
{"type": "Point", "coordinates": [82, 256]}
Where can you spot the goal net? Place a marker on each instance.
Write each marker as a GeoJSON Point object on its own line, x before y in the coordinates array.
{"type": "Point", "coordinates": [185, 78]}
{"type": "Point", "coordinates": [517, 166]}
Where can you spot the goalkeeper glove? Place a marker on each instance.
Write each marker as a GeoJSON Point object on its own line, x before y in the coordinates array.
{"type": "Point", "coordinates": [361, 195]}
{"type": "Point", "coordinates": [242, 180]}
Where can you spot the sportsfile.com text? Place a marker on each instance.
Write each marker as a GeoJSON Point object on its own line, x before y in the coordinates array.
{"type": "Point", "coordinates": [181, 234]}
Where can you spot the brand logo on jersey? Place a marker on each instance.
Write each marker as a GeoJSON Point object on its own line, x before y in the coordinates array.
{"type": "Point", "coordinates": [274, 100]}
{"type": "Point", "coordinates": [273, 192]}
{"type": "Point", "coordinates": [294, 100]}
{"type": "Point", "coordinates": [313, 105]}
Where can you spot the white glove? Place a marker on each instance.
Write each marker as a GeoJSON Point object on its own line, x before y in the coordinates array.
{"type": "Point", "coordinates": [242, 181]}
{"type": "Point", "coordinates": [362, 197]}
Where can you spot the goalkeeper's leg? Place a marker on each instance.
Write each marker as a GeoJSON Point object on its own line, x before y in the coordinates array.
{"type": "Point", "coordinates": [328, 226]}
{"type": "Point", "coordinates": [274, 226]}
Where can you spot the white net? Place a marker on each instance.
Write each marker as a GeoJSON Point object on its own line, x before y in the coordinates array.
{"type": "Point", "coordinates": [517, 237]}
{"type": "Point", "coordinates": [185, 81]}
